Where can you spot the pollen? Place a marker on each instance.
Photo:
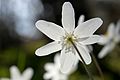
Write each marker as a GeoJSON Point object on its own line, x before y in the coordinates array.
{"type": "Point", "coordinates": [66, 42]}
{"type": "Point", "coordinates": [69, 38]}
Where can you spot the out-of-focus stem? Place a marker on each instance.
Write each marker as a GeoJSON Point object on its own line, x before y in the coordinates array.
{"type": "Point", "coordinates": [21, 60]}
{"type": "Point", "coordinates": [97, 65]}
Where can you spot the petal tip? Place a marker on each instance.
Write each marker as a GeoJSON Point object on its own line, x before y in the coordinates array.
{"type": "Point", "coordinates": [100, 21]}
{"type": "Point", "coordinates": [100, 56]}
{"type": "Point", "coordinates": [87, 63]}
{"type": "Point", "coordinates": [13, 67]}
{"type": "Point", "coordinates": [67, 3]}
{"type": "Point", "coordinates": [38, 23]}
{"type": "Point", "coordinates": [30, 70]}
{"type": "Point", "coordinates": [37, 53]}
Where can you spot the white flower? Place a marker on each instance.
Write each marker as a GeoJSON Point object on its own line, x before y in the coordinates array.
{"type": "Point", "coordinates": [16, 75]}
{"type": "Point", "coordinates": [53, 70]}
{"type": "Point", "coordinates": [81, 35]}
{"type": "Point", "coordinates": [110, 40]}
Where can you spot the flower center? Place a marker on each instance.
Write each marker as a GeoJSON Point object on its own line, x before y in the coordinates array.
{"type": "Point", "coordinates": [69, 39]}
{"type": "Point", "coordinates": [66, 42]}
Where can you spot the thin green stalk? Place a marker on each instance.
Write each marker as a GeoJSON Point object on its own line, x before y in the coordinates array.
{"type": "Point", "coordinates": [97, 65]}
{"type": "Point", "coordinates": [89, 74]}
{"type": "Point", "coordinates": [21, 60]}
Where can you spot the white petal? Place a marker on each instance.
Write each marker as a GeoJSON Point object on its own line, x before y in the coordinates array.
{"type": "Point", "coordinates": [4, 79]}
{"type": "Point", "coordinates": [81, 19]}
{"type": "Point", "coordinates": [49, 67]}
{"type": "Point", "coordinates": [90, 40]}
{"type": "Point", "coordinates": [109, 47]}
{"type": "Point", "coordinates": [87, 28]}
{"type": "Point", "coordinates": [47, 75]}
{"type": "Point", "coordinates": [76, 62]}
{"type": "Point", "coordinates": [50, 29]}
{"type": "Point", "coordinates": [67, 61]}
{"type": "Point", "coordinates": [15, 73]}
{"type": "Point", "coordinates": [111, 31]}
{"type": "Point", "coordinates": [103, 40]}
{"type": "Point", "coordinates": [84, 53]}
{"type": "Point", "coordinates": [90, 48]}
{"type": "Point", "coordinates": [118, 28]}
{"type": "Point", "coordinates": [110, 34]}
{"type": "Point", "coordinates": [27, 74]}
{"type": "Point", "coordinates": [62, 77]}
{"type": "Point", "coordinates": [48, 49]}
{"type": "Point", "coordinates": [57, 60]}
{"type": "Point", "coordinates": [68, 20]}
{"type": "Point", "coordinates": [117, 31]}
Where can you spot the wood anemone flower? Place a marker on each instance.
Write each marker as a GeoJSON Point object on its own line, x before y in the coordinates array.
{"type": "Point", "coordinates": [62, 37]}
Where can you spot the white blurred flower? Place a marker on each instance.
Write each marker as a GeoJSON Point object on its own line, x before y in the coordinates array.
{"type": "Point", "coordinates": [81, 36]}
{"type": "Point", "coordinates": [16, 75]}
{"type": "Point", "coordinates": [110, 39]}
{"type": "Point", "coordinates": [53, 70]}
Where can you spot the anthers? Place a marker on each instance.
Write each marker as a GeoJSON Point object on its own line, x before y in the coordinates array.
{"type": "Point", "coordinates": [66, 42]}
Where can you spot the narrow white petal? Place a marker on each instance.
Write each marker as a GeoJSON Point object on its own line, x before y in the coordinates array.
{"type": "Point", "coordinates": [68, 20]}
{"type": "Point", "coordinates": [117, 31]}
{"type": "Point", "coordinates": [48, 49]}
{"type": "Point", "coordinates": [111, 31]}
{"type": "Point", "coordinates": [81, 19]}
{"type": "Point", "coordinates": [67, 61]}
{"type": "Point", "coordinates": [47, 76]}
{"type": "Point", "coordinates": [87, 28]}
{"type": "Point", "coordinates": [90, 40]}
{"type": "Point", "coordinates": [15, 73]}
{"type": "Point", "coordinates": [110, 34]}
{"type": "Point", "coordinates": [90, 48]}
{"type": "Point", "coordinates": [84, 53]}
{"type": "Point", "coordinates": [51, 70]}
{"type": "Point", "coordinates": [50, 29]}
{"type": "Point", "coordinates": [49, 67]}
{"type": "Point", "coordinates": [106, 49]}
{"type": "Point", "coordinates": [27, 74]}
{"type": "Point", "coordinates": [104, 40]}
{"type": "Point", "coordinates": [57, 60]}
{"type": "Point", "coordinates": [76, 62]}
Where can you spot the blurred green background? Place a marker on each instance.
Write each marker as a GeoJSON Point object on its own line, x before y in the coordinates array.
{"type": "Point", "coordinates": [19, 37]}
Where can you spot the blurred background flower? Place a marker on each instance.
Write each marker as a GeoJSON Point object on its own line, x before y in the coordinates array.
{"type": "Point", "coordinates": [15, 74]}
{"type": "Point", "coordinates": [53, 70]}
{"type": "Point", "coordinates": [110, 39]}
{"type": "Point", "coordinates": [19, 37]}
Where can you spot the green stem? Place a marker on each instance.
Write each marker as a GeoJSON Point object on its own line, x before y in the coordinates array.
{"type": "Point", "coordinates": [21, 59]}
{"type": "Point", "coordinates": [97, 65]}
{"type": "Point", "coordinates": [89, 74]}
